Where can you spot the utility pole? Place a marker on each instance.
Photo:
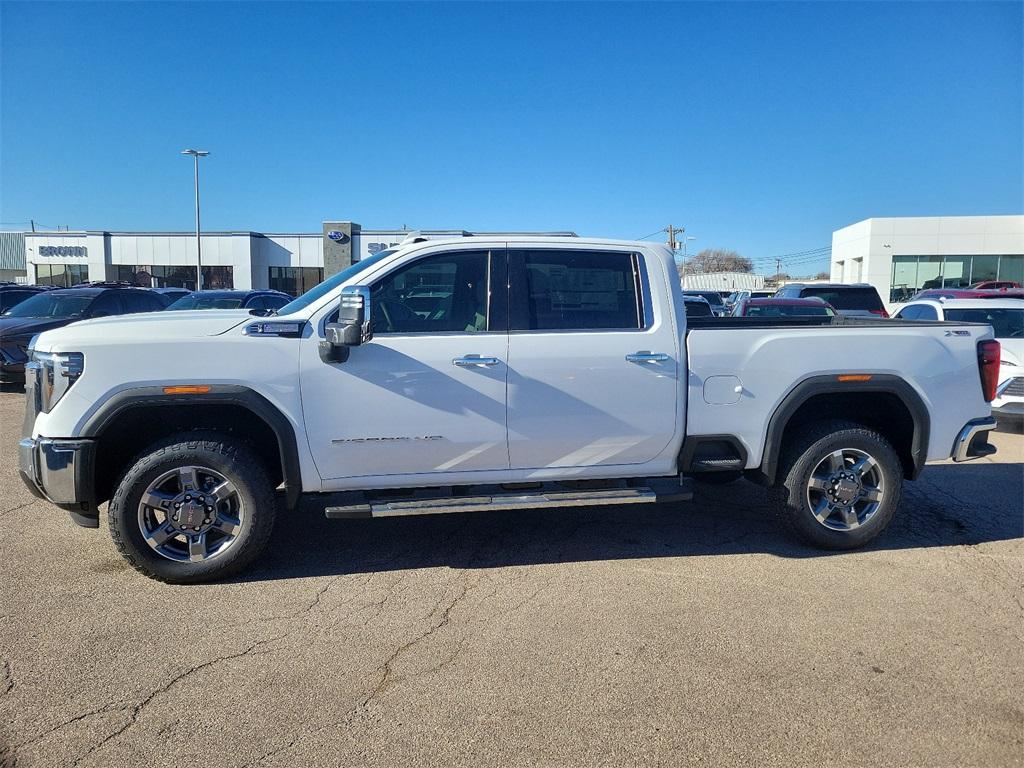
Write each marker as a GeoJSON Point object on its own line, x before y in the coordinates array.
{"type": "Point", "coordinates": [33, 223]}
{"type": "Point", "coordinates": [778, 269]}
{"type": "Point", "coordinates": [196, 154]}
{"type": "Point", "coordinates": [672, 232]}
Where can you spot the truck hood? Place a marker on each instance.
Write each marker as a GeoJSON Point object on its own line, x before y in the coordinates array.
{"type": "Point", "coordinates": [146, 326]}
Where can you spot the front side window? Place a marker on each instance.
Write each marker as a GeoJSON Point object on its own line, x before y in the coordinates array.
{"type": "Point", "coordinates": [106, 304]}
{"type": "Point", "coordinates": [445, 293]}
{"type": "Point", "coordinates": [575, 290]}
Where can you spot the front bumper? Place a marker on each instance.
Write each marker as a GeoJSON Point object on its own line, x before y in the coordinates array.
{"type": "Point", "coordinates": [62, 471]}
{"type": "Point", "coordinates": [972, 442]}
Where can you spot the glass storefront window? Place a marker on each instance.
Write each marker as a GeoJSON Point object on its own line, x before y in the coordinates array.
{"type": "Point", "coordinates": [61, 275]}
{"type": "Point", "coordinates": [904, 278]}
{"type": "Point", "coordinates": [218, 278]}
{"type": "Point", "coordinates": [985, 268]}
{"type": "Point", "coordinates": [911, 274]}
{"type": "Point", "coordinates": [295, 280]}
{"type": "Point", "coordinates": [956, 272]}
{"type": "Point", "coordinates": [1012, 268]}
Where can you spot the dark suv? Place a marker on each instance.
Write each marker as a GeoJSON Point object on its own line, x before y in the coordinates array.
{"type": "Point", "coordinates": [855, 299]}
{"type": "Point", "coordinates": [12, 294]}
{"type": "Point", "coordinates": [56, 308]}
{"type": "Point", "coordinates": [258, 299]}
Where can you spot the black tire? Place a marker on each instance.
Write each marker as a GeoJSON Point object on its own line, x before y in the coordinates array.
{"type": "Point", "coordinates": [811, 445]}
{"type": "Point", "coordinates": [227, 456]}
{"type": "Point", "coordinates": [717, 478]}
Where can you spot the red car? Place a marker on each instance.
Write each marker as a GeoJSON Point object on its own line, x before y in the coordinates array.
{"type": "Point", "coordinates": [810, 307]}
{"type": "Point", "coordinates": [994, 284]}
{"type": "Point", "coordinates": [970, 293]}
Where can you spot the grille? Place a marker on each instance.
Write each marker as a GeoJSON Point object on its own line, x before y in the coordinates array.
{"type": "Point", "coordinates": [1016, 387]}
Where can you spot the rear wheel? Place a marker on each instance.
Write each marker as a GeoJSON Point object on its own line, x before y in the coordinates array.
{"type": "Point", "coordinates": [193, 508]}
{"type": "Point", "coordinates": [840, 484]}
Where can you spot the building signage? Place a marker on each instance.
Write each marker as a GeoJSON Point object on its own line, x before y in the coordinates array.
{"type": "Point", "coordinates": [63, 250]}
{"type": "Point", "coordinates": [338, 236]}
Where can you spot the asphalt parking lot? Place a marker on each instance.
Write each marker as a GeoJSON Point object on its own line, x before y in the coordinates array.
{"type": "Point", "coordinates": [687, 634]}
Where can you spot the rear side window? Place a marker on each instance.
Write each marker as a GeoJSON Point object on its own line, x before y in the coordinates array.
{"type": "Point", "coordinates": [106, 304]}
{"type": "Point", "coordinates": [569, 290]}
{"type": "Point", "coordinates": [1007, 323]}
{"type": "Point", "coordinates": [865, 298]}
{"type": "Point", "coordinates": [141, 302]}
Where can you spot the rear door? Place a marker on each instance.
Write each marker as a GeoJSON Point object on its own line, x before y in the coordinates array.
{"type": "Point", "coordinates": [593, 369]}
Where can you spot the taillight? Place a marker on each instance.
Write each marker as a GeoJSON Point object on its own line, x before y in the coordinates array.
{"type": "Point", "coordinates": [879, 312]}
{"type": "Point", "coordinates": [988, 367]}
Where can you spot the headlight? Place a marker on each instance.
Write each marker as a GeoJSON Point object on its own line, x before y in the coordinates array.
{"type": "Point", "coordinates": [57, 372]}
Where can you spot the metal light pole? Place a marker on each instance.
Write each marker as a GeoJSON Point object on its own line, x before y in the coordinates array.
{"type": "Point", "coordinates": [196, 154]}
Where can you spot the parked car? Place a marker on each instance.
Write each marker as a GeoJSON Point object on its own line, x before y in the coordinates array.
{"type": "Point", "coordinates": [784, 308]}
{"type": "Point", "coordinates": [969, 293]}
{"type": "Point", "coordinates": [995, 285]}
{"type": "Point", "coordinates": [855, 299]}
{"type": "Point", "coordinates": [228, 299]}
{"type": "Point", "coordinates": [714, 298]}
{"type": "Point", "coordinates": [583, 381]}
{"type": "Point", "coordinates": [171, 295]}
{"type": "Point", "coordinates": [12, 294]}
{"type": "Point", "coordinates": [737, 296]}
{"type": "Point", "coordinates": [58, 307]}
{"type": "Point", "coordinates": [1006, 316]}
{"type": "Point", "coordinates": [697, 306]}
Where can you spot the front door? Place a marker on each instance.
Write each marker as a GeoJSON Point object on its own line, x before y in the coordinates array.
{"type": "Point", "coordinates": [593, 370]}
{"type": "Point", "coordinates": [426, 395]}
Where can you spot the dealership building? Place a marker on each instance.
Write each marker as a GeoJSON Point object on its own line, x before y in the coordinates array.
{"type": "Point", "coordinates": [900, 256]}
{"type": "Point", "coordinates": [288, 262]}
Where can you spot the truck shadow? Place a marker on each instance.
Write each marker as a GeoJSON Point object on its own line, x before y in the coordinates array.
{"type": "Point", "coordinates": [949, 506]}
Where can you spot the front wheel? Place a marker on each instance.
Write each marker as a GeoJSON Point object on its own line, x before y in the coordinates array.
{"type": "Point", "coordinates": [840, 484]}
{"type": "Point", "coordinates": [193, 508]}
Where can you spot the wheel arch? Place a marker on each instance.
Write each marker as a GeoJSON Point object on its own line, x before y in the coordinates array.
{"type": "Point", "coordinates": [884, 402]}
{"type": "Point", "coordinates": [134, 418]}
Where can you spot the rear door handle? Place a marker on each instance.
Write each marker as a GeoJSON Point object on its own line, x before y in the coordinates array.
{"type": "Point", "coordinates": [647, 357]}
{"type": "Point", "coordinates": [470, 361]}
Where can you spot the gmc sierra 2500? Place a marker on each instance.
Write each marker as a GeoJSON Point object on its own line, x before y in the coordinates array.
{"type": "Point", "coordinates": [484, 373]}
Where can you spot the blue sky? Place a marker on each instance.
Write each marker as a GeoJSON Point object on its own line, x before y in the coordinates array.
{"type": "Point", "coordinates": [760, 127]}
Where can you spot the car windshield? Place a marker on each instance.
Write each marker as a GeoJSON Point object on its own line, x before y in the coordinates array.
{"type": "Point", "coordinates": [788, 310]}
{"type": "Point", "coordinates": [846, 298]}
{"type": "Point", "coordinates": [209, 301]}
{"type": "Point", "coordinates": [328, 285]}
{"type": "Point", "coordinates": [52, 305]}
{"type": "Point", "coordinates": [1007, 323]}
{"type": "Point", "coordinates": [713, 297]}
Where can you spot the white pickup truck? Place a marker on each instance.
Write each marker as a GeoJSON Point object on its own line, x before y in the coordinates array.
{"type": "Point", "coordinates": [478, 373]}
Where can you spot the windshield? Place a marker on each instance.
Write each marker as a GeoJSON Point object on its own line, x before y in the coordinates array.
{"type": "Point", "coordinates": [1007, 323]}
{"type": "Point", "coordinates": [788, 310]}
{"type": "Point", "coordinates": [713, 297]}
{"type": "Point", "coordinates": [51, 305]}
{"type": "Point", "coordinates": [199, 301]}
{"type": "Point", "coordinates": [328, 285]}
{"type": "Point", "coordinates": [846, 298]}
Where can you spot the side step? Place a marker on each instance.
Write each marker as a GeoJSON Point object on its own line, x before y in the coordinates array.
{"type": "Point", "coordinates": [539, 499]}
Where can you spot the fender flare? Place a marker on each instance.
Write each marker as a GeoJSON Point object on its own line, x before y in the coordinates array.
{"type": "Point", "coordinates": [829, 384]}
{"type": "Point", "coordinates": [219, 394]}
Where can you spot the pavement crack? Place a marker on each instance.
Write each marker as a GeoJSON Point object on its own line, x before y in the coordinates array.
{"type": "Point", "coordinates": [135, 710]}
{"type": "Point", "coordinates": [7, 681]}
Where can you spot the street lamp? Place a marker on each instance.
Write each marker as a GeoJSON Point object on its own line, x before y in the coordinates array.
{"type": "Point", "coordinates": [196, 154]}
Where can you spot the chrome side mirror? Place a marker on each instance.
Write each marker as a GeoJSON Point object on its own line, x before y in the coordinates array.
{"type": "Point", "coordinates": [353, 328]}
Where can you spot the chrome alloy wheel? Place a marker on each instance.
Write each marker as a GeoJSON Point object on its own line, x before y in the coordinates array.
{"type": "Point", "coordinates": [845, 489]}
{"type": "Point", "coordinates": [191, 514]}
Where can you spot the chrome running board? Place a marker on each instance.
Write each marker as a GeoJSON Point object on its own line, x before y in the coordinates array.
{"type": "Point", "coordinates": [437, 505]}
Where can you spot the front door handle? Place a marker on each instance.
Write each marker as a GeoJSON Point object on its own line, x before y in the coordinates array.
{"type": "Point", "coordinates": [470, 361]}
{"type": "Point", "coordinates": [647, 357]}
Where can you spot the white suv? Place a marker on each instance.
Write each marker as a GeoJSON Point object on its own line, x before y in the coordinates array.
{"type": "Point", "coordinates": [1006, 316]}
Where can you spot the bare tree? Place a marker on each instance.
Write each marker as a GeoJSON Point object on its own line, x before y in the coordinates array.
{"type": "Point", "coordinates": [822, 276]}
{"type": "Point", "coordinates": [716, 260]}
